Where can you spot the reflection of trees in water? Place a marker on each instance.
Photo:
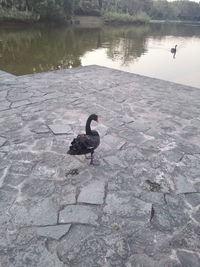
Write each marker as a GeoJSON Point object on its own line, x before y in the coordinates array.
{"type": "Point", "coordinates": [41, 49]}
{"type": "Point", "coordinates": [44, 49]}
{"type": "Point", "coordinates": [158, 30]}
{"type": "Point", "coordinates": [126, 45]}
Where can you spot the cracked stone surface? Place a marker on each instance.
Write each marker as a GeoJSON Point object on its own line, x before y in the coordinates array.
{"type": "Point", "coordinates": [93, 193]}
{"type": "Point", "coordinates": [60, 129]}
{"type": "Point", "coordinates": [78, 214]}
{"type": "Point", "coordinates": [124, 204]}
{"type": "Point", "coordinates": [184, 186]}
{"type": "Point", "coordinates": [28, 213]}
{"type": "Point", "coordinates": [57, 210]}
{"type": "Point", "coordinates": [55, 232]}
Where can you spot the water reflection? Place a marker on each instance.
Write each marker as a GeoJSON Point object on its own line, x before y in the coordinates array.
{"type": "Point", "coordinates": [141, 49]}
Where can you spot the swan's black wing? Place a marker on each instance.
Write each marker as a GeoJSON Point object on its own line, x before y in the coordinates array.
{"type": "Point", "coordinates": [83, 144]}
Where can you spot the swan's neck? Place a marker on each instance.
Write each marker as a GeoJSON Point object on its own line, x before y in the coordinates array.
{"type": "Point", "coordinates": [87, 127]}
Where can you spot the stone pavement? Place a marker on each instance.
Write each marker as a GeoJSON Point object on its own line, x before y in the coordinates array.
{"type": "Point", "coordinates": [140, 207]}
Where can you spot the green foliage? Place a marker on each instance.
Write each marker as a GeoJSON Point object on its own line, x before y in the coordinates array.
{"type": "Point", "coordinates": [115, 18]}
{"type": "Point", "coordinates": [177, 10]}
{"type": "Point", "coordinates": [85, 7]}
{"type": "Point", "coordinates": [17, 15]}
{"type": "Point", "coordinates": [121, 10]}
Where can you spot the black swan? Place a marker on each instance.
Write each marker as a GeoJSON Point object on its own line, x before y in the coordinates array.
{"type": "Point", "coordinates": [86, 143]}
{"type": "Point", "coordinates": [173, 50]}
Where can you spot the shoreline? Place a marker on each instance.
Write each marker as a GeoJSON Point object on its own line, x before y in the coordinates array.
{"type": "Point", "coordinates": [87, 20]}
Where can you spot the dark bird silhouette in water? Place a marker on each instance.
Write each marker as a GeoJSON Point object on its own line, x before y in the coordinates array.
{"type": "Point", "coordinates": [173, 51]}
{"type": "Point", "coordinates": [86, 143]}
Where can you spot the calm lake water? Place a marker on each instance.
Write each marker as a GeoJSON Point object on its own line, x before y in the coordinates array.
{"type": "Point", "coordinates": [143, 50]}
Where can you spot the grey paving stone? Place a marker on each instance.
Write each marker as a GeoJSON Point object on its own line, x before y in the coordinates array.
{"type": "Point", "coordinates": [40, 129]}
{"type": "Point", "coordinates": [20, 103]}
{"type": "Point", "coordinates": [188, 259]}
{"type": "Point", "coordinates": [60, 129]}
{"type": "Point", "coordinates": [183, 185]}
{"type": "Point", "coordinates": [55, 232]}
{"type": "Point", "coordinates": [2, 141]}
{"type": "Point", "coordinates": [78, 214]}
{"type": "Point", "coordinates": [149, 130]}
{"type": "Point", "coordinates": [141, 260]}
{"type": "Point", "coordinates": [193, 199]}
{"type": "Point", "coordinates": [197, 215]}
{"type": "Point", "coordinates": [33, 255]}
{"type": "Point", "coordinates": [20, 167]}
{"type": "Point", "coordinates": [36, 188]}
{"type": "Point", "coordinates": [169, 218]}
{"type": "Point", "coordinates": [93, 193]}
{"type": "Point", "coordinates": [114, 161]}
{"type": "Point", "coordinates": [4, 105]}
{"type": "Point", "coordinates": [126, 205]}
{"type": "Point", "coordinates": [32, 213]}
{"type": "Point", "coordinates": [76, 234]}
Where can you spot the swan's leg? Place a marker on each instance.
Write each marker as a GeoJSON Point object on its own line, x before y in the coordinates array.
{"type": "Point", "coordinates": [88, 157]}
{"type": "Point", "coordinates": [92, 158]}
{"type": "Point", "coordinates": [92, 162]}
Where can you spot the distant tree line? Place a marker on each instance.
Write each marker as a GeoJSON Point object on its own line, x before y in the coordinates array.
{"type": "Point", "coordinates": [65, 9]}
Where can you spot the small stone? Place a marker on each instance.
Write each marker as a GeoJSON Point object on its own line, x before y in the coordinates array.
{"type": "Point", "coordinates": [78, 214]}
{"type": "Point", "coordinates": [93, 193]}
{"type": "Point", "coordinates": [55, 231]}
{"type": "Point", "coordinates": [60, 129]}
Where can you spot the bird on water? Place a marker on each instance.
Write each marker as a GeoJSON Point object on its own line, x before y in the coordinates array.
{"type": "Point", "coordinates": [173, 51]}
{"type": "Point", "coordinates": [86, 143]}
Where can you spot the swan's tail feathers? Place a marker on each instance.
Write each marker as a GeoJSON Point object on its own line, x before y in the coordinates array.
{"type": "Point", "coordinates": [76, 147]}
{"type": "Point", "coordinates": [72, 151]}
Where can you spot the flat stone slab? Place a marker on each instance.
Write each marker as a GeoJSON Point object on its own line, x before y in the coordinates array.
{"type": "Point", "coordinates": [183, 185]}
{"type": "Point", "coordinates": [93, 193]}
{"type": "Point", "coordinates": [76, 234]}
{"type": "Point", "coordinates": [126, 205]}
{"type": "Point", "coordinates": [60, 129]}
{"type": "Point", "coordinates": [78, 214]}
{"type": "Point", "coordinates": [55, 232]}
{"type": "Point", "coordinates": [34, 213]}
{"type": "Point", "coordinates": [188, 259]}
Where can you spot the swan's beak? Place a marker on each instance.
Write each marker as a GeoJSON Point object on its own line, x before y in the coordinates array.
{"type": "Point", "coordinates": [97, 120]}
